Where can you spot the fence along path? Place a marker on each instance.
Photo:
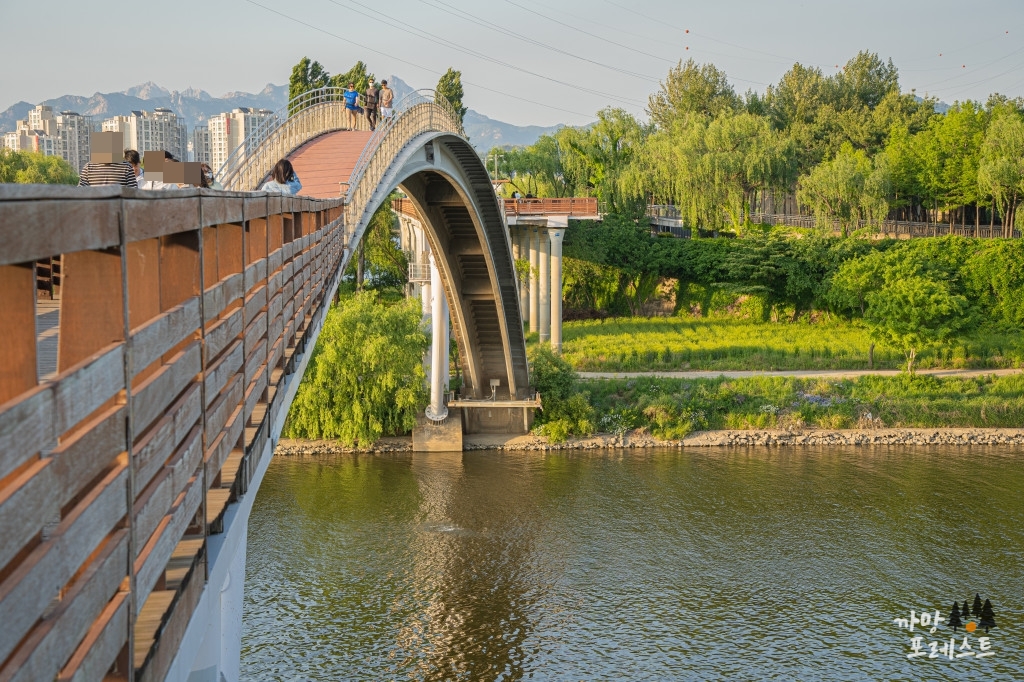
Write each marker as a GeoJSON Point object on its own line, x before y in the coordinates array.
{"type": "Point", "coordinates": [180, 317]}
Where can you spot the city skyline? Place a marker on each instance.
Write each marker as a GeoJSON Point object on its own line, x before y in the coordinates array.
{"type": "Point", "coordinates": [523, 62]}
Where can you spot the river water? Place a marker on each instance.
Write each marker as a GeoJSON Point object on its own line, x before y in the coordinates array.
{"type": "Point", "coordinates": [783, 563]}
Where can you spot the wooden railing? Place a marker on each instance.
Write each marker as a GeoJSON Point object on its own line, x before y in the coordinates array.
{"type": "Point", "coordinates": [570, 206]}
{"type": "Point", "coordinates": [181, 315]}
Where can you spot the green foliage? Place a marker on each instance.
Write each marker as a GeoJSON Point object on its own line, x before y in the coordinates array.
{"type": "Point", "coordinates": [358, 75]}
{"type": "Point", "coordinates": [449, 87]}
{"type": "Point", "coordinates": [365, 379]}
{"type": "Point", "coordinates": [673, 408]}
{"type": "Point", "coordinates": [733, 338]}
{"type": "Point", "coordinates": [35, 168]}
{"type": "Point", "coordinates": [692, 88]}
{"type": "Point", "coordinates": [306, 75]}
{"type": "Point", "coordinates": [386, 264]}
{"type": "Point", "coordinates": [915, 312]}
{"type": "Point", "coordinates": [566, 408]}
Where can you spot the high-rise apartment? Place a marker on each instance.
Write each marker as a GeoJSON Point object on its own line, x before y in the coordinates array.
{"type": "Point", "coordinates": [145, 131]}
{"type": "Point", "coordinates": [73, 131]}
{"type": "Point", "coordinates": [229, 130]}
{"type": "Point", "coordinates": [201, 144]}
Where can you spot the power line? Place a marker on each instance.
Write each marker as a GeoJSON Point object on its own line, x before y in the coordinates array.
{"type": "Point", "coordinates": [466, 16]}
{"type": "Point", "coordinates": [394, 23]}
{"type": "Point", "coordinates": [409, 63]}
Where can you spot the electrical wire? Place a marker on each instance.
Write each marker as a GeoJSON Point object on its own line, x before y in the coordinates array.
{"type": "Point", "coordinates": [433, 72]}
{"type": "Point", "coordinates": [394, 23]}
{"type": "Point", "coordinates": [466, 16]}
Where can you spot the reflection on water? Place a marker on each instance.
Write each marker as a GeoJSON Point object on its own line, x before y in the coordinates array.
{"type": "Point", "coordinates": [710, 564]}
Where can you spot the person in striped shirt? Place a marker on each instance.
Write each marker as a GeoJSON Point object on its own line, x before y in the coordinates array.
{"type": "Point", "coordinates": [102, 168]}
{"type": "Point", "coordinates": [120, 173]}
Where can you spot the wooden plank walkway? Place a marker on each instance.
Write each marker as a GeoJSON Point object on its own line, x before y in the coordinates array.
{"type": "Point", "coordinates": [327, 161]}
{"type": "Point", "coordinates": [47, 328]}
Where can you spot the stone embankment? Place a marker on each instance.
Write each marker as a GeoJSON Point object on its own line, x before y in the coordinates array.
{"type": "Point", "coordinates": [641, 439]}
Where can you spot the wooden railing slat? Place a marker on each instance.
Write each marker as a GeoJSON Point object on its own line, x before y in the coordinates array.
{"type": "Point", "coordinates": [25, 594]}
{"type": "Point", "coordinates": [54, 641]}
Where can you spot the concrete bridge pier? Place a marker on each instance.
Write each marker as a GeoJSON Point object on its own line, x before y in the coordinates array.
{"type": "Point", "coordinates": [437, 410]}
{"type": "Point", "coordinates": [534, 236]}
{"type": "Point", "coordinates": [555, 236]}
{"type": "Point", "coordinates": [544, 275]}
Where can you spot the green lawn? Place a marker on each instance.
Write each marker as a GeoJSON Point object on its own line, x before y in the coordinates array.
{"type": "Point", "coordinates": [679, 343]}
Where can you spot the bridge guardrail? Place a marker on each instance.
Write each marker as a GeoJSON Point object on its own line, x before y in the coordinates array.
{"type": "Point", "coordinates": [304, 117]}
{"type": "Point", "coordinates": [417, 113]}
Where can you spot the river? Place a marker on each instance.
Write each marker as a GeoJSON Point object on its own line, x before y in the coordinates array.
{"type": "Point", "coordinates": [784, 563]}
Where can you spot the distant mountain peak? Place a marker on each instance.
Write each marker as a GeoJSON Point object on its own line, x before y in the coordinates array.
{"type": "Point", "coordinates": [196, 106]}
{"type": "Point", "coordinates": [147, 90]}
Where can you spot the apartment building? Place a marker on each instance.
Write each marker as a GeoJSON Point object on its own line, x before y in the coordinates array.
{"type": "Point", "coordinates": [227, 131]}
{"type": "Point", "coordinates": [145, 131]}
{"type": "Point", "coordinates": [200, 144]}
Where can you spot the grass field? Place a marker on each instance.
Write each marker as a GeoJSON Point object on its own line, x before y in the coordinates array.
{"type": "Point", "coordinates": [671, 408]}
{"type": "Point", "coordinates": [678, 343]}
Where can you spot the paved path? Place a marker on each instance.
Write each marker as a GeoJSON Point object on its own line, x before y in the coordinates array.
{"type": "Point", "coordinates": [325, 162]}
{"type": "Point", "coordinates": [799, 373]}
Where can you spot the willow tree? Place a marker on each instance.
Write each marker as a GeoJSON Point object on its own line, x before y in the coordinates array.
{"type": "Point", "coordinates": [1001, 168]}
{"type": "Point", "coordinates": [365, 379]}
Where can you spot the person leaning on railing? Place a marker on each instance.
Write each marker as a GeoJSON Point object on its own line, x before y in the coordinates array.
{"type": "Point", "coordinates": [283, 179]}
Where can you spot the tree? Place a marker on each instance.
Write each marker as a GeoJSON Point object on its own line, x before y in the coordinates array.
{"type": "Point", "coordinates": [954, 618]}
{"type": "Point", "coordinates": [306, 75]}
{"type": "Point", "coordinates": [598, 156]}
{"type": "Point", "coordinates": [914, 313]}
{"type": "Point", "coordinates": [449, 87]}
{"type": "Point", "coordinates": [386, 262]}
{"type": "Point", "coordinates": [976, 607]}
{"type": "Point", "coordinates": [965, 612]}
{"type": "Point", "coordinates": [35, 168]}
{"type": "Point", "coordinates": [840, 189]}
{"type": "Point", "coordinates": [366, 376]}
{"type": "Point", "coordinates": [988, 618]}
{"type": "Point", "coordinates": [1001, 167]}
{"type": "Point", "coordinates": [855, 280]}
{"type": "Point", "coordinates": [692, 88]}
{"type": "Point", "coordinates": [358, 75]}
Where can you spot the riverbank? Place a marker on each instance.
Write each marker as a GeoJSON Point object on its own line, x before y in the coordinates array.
{"type": "Point", "coordinates": [641, 439]}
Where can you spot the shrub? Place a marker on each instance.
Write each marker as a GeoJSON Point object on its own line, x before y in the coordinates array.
{"type": "Point", "coordinates": [365, 378]}
{"type": "Point", "coordinates": [566, 409]}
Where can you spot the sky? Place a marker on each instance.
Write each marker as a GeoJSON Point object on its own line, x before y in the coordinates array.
{"type": "Point", "coordinates": [527, 62]}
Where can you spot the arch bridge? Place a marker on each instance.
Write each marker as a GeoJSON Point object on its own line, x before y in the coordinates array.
{"type": "Point", "coordinates": [139, 412]}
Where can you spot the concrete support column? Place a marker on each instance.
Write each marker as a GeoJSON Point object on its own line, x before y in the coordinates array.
{"type": "Point", "coordinates": [534, 278]}
{"type": "Point", "coordinates": [437, 410]}
{"type": "Point", "coordinates": [555, 236]}
{"type": "Point", "coordinates": [446, 370]}
{"type": "Point", "coordinates": [545, 286]}
{"type": "Point", "coordinates": [524, 286]}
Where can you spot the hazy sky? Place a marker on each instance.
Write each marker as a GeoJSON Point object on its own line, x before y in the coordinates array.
{"type": "Point", "coordinates": [523, 61]}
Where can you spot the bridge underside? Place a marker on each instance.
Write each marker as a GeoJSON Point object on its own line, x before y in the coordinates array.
{"type": "Point", "coordinates": [447, 183]}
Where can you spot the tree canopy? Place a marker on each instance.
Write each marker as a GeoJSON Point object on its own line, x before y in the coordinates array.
{"type": "Point", "coordinates": [449, 87]}
{"type": "Point", "coordinates": [35, 168]}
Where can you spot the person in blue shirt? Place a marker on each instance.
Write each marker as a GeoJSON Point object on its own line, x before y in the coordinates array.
{"type": "Point", "coordinates": [351, 105]}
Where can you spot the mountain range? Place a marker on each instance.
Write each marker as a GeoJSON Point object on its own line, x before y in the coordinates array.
{"type": "Point", "coordinates": [196, 106]}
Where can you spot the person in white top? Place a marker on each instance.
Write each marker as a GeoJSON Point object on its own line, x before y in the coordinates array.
{"type": "Point", "coordinates": [283, 179]}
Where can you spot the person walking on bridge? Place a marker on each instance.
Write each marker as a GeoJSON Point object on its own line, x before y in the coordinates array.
{"type": "Point", "coordinates": [387, 97]}
{"type": "Point", "coordinates": [351, 105]}
{"type": "Point", "coordinates": [371, 100]}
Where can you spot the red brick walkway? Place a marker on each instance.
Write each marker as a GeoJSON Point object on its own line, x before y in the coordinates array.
{"type": "Point", "coordinates": [328, 160]}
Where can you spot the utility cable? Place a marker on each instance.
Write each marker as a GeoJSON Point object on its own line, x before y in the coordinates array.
{"type": "Point", "coordinates": [466, 16]}
{"type": "Point", "coordinates": [433, 72]}
{"type": "Point", "coordinates": [388, 20]}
